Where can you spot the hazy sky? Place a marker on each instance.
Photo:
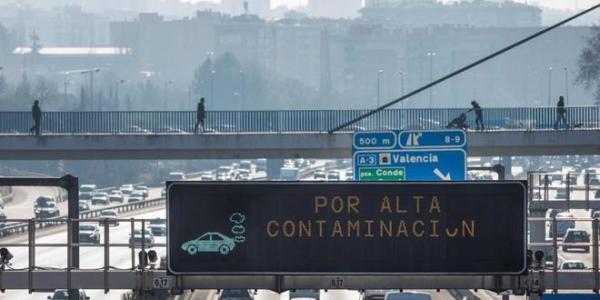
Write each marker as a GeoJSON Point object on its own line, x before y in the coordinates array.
{"type": "Point", "coordinates": [550, 3]}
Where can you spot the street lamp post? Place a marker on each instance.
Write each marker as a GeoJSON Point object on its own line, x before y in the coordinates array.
{"type": "Point", "coordinates": [91, 72]}
{"type": "Point", "coordinates": [379, 87]}
{"type": "Point", "coordinates": [243, 88]}
{"type": "Point", "coordinates": [549, 86]}
{"type": "Point", "coordinates": [167, 83]}
{"type": "Point", "coordinates": [431, 55]}
{"type": "Point", "coordinates": [122, 81]}
{"type": "Point", "coordinates": [401, 74]}
{"type": "Point", "coordinates": [65, 82]}
{"type": "Point", "coordinates": [566, 85]}
{"type": "Point", "coordinates": [212, 88]}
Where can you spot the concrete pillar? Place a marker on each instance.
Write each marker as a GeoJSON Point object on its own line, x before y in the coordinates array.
{"type": "Point", "coordinates": [274, 168]}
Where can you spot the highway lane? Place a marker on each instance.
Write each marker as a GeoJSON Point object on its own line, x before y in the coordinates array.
{"type": "Point", "coordinates": [90, 258]}
{"type": "Point", "coordinates": [21, 207]}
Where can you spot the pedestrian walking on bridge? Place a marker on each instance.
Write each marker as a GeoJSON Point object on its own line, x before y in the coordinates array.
{"type": "Point", "coordinates": [36, 114]}
{"type": "Point", "coordinates": [561, 114]}
{"type": "Point", "coordinates": [478, 114]}
{"type": "Point", "coordinates": [200, 114]}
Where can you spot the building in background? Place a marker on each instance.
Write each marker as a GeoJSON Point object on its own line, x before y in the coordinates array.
{"type": "Point", "coordinates": [260, 8]}
{"type": "Point", "coordinates": [423, 13]}
{"type": "Point", "coordinates": [335, 9]}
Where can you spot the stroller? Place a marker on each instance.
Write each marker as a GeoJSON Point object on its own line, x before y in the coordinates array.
{"type": "Point", "coordinates": [459, 122]}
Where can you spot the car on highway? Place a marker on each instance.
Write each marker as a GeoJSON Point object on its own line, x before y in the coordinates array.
{"type": "Point", "coordinates": [135, 198]}
{"type": "Point", "coordinates": [158, 227]}
{"type": "Point", "coordinates": [594, 181]}
{"type": "Point", "coordinates": [142, 188]}
{"type": "Point", "coordinates": [572, 265]}
{"type": "Point", "coordinates": [134, 129]}
{"type": "Point", "coordinates": [89, 233]}
{"type": "Point", "coordinates": [46, 210]}
{"type": "Point", "coordinates": [209, 242]}
{"type": "Point", "coordinates": [110, 216]}
{"type": "Point", "coordinates": [235, 294]}
{"type": "Point", "coordinates": [86, 191]}
{"type": "Point", "coordinates": [349, 174]}
{"type": "Point", "coordinates": [138, 194]}
{"type": "Point", "coordinates": [407, 295]}
{"type": "Point", "coordinates": [244, 175]}
{"type": "Point", "coordinates": [168, 130]}
{"type": "Point", "coordinates": [305, 294]}
{"type": "Point", "coordinates": [100, 200]}
{"type": "Point", "coordinates": [597, 194]}
{"type": "Point", "coordinates": [564, 221]}
{"type": "Point", "coordinates": [225, 173]}
{"type": "Point", "coordinates": [2, 219]}
{"type": "Point", "coordinates": [261, 164]}
{"type": "Point", "coordinates": [136, 239]}
{"type": "Point", "coordinates": [206, 177]}
{"type": "Point", "coordinates": [561, 193]}
{"type": "Point", "coordinates": [176, 176]}
{"type": "Point", "coordinates": [247, 165]}
{"type": "Point", "coordinates": [116, 192]}
{"type": "Point", "coordinates": [577, 239]}
{"type": "Point", "coordinates": [43, 201]}
{"type": "Point", "coordinates": [333, 175]}
{"type": "Point", "coordinates": [63, 294]}
{"type": "Point", "coordinates": [373, 294]}
{"type": "Point", "coordinates": [83, 206]}
{"type": "Point", "coordinates": [116, 198]}
{"type": "Point", "coordinates": [126, 189]}
{"type": "Point", "coordinates": [320, 174]}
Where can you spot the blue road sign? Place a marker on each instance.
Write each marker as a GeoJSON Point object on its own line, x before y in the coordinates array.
{"type": "Point", "coordinates": [570, 296]}
{"type": "Point", "coordinates": [432, 139]}
{"type": "Point", "coordinates": [421, 164]}
{"type": "Point", "coordinates": [374, 140]}
{"type": "Point", "coordinates": [426, 155]}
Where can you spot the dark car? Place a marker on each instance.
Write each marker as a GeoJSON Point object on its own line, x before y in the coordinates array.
{"type": "Point", "coordinates": [305, 294]}
{"type": "Point", "coordinates": [64, 295]}
{"type": "Point", "coordinates": [573, 237]}
{"type": "Point", "coordinates": [235, 294]}
{"type": "Point", "coordinates": [48, 210]}
{"type": "Point", "coordinates": [2, 219]}
{"type": "Point", "coordinates": [89, 234]}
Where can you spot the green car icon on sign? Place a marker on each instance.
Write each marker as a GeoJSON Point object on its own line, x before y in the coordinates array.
{"type": "Point", "coordinates": [209, 242]}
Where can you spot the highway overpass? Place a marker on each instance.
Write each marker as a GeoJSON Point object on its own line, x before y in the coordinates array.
{"type": "Point", "coordinates": [272, 145]}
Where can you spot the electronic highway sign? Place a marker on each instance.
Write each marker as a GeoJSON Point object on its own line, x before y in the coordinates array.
{"type": "Point", "coordinates": [409, 155]}
{"type": "Point", "coordinates": [237, 228]}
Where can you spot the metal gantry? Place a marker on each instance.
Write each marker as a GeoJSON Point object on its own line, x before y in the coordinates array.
{"type": "Point", "coordinates": [540, 277]}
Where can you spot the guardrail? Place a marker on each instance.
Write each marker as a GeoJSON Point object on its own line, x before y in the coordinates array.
{"type": "Point", "coordinates": [11, 229]}
{"type": "Point", "coordinates": [181, 122]}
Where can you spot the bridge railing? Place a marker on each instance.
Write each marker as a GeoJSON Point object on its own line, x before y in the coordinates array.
{"type": "Point", "coordinates": [144, 122]}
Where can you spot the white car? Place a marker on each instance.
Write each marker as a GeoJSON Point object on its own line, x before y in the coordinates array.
{"type": "Point", "coordinates": [138, 194]}
{"type": "Point", "coordinates": [176, 176]}
{"type": "Point", "coordinates": [126, 189]}
{"type": "Point", "coordinates": [100, 200]}
{"type": "Point", "coordinates": [142, 188]}
{"type": "Point", "coordinates": [333, 175]}
{"type": "Point", "coordinates": [115, 198]}
{"type": "Point", "coordinates": [110, 215]}
{"type": "Point", "coordinates": [572, 265]}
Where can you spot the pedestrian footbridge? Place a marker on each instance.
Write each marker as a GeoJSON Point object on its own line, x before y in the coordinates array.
{"type": "Point", "coordinates": [272, 145]}
{"type": "Point", "coordinates": [281, 134]}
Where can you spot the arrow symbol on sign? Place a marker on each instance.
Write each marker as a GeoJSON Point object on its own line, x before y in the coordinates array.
{"type": "Point", "coordinates": [441, 175]}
